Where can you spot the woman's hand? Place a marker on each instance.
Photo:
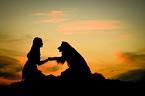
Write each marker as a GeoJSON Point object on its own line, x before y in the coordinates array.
{"type": "Point", "coordinates": [50, 58]}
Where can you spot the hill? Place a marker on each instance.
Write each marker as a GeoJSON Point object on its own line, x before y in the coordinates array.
{"type": "Point", "coordinates": [96, 81]}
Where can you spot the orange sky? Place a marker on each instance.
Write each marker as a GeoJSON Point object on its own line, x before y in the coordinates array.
{"type": "Point", "coordinates": [109, 34]}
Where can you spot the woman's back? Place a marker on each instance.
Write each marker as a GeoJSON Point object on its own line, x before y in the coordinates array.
{"type": "Point", "coordinates": [30, 68]}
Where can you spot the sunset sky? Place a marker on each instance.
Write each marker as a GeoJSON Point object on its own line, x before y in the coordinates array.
{"type": "Point", "coordinates": [109, 34]}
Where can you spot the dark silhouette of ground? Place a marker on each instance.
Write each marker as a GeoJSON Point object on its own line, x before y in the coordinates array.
{"type": "Point", "coordinates": [96, 81]}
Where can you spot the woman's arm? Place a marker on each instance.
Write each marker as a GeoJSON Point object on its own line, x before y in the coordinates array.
{"type": "Point", "coordinates": [58, 59]}
{"type": "Point", "coordinates": [42, 62]}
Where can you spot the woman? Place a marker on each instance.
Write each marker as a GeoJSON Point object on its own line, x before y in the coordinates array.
{"type": "Point", "coordinates": [30, 71]}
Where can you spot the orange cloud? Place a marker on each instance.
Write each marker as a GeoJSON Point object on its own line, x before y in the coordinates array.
{"type": "Point", "coordinates": [57, 11]}
{"type": "Point", "coordinates": [10, 69]}
{"type": "Point", "coordinates": [121, 38]}
{"type": "Point", "coordinates": [137, 57]}
{"type": "Point", "coordinates": [54, 17]}
{"type": "Point", "coordinates": [91, 26]}
{"type": "Point", "coordinates": [60, 20]}
{"type": "Point", "coordinates": [22, 60]}
{"type": "Point", "coordinates": [122, 57]}
{"type": "Point", "coordinates": [52, 13]}
{"type": "Point", "coordinates": [54, 20]}
{"type": "Point", "coordinates": [38, 14]}
{"type": "Point", "coordinates": [85, 32]}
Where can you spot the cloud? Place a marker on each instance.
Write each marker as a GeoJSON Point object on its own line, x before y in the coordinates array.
{"type": "Point", "coordinates": [9, 75]}
{"type": "Point", "coordinates": [134, 62]}
{"type": "Point", "coordinates": [49, 67]}
{"type": "Point", "coordinates": [54, 20]}
{"type": "Point", "coordinates": [57, 12]}
{"type": "Point", "coordinates": [51, 14]}
{"type": "Point", "coordinates": [88, 26]}
{"type": "Point", "coordinates": [122, 56]}
{"type": "Point", "coordinates": [52, 69]}
{"type": "Point", "coordinates": [80, 26]}
{"type": "Point", "coordinates": [10, 68]}
{"type": "Point", "coordinates": [133, 75]}
{"type": "Point", "coordinates": [54, 17]}
{"type": "Point", "coordinates": [121, 38]}
{"type": "Point", "coordinates": [10, 65]}
{"type": "Point", "coordinates": [39, 14]}
{"type": "Point", "coordinates": [131, 57]}
{"type": "Point", "coordinates": [10, 52]}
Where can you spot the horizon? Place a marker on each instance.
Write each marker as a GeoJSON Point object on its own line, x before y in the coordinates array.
{"type": "Point", "coordinates": [109, 34]}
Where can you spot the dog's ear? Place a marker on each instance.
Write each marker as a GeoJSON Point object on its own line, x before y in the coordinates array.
{"type": "Point", "coordinates": [65, 44]}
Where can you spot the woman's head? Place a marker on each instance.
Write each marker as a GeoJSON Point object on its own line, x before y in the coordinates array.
{"type": "Point", "coordinates": [37, 42]}
{"type": "Point", "coordinates": [35, 49]}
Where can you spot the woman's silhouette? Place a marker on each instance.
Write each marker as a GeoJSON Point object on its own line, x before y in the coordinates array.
{"type": "Point", "coordinates": [30, 71]}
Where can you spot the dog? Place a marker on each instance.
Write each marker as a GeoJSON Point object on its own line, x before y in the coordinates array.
{"type": "Point", "coordinates": [78, 67]}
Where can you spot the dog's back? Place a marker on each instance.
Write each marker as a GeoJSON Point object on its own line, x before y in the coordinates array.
{"type": "Point", "coordinates": [75, 61]}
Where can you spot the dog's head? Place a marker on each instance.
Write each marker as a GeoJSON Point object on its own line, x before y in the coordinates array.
{"type": "Point", "coordinates": [64, 46]}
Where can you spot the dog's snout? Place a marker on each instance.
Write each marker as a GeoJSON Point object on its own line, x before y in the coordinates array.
{"type": "Point", "coordinates": [58, 47]}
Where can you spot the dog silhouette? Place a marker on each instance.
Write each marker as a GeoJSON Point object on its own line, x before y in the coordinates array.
{"type": "Point", "coordinates": [78, 67]}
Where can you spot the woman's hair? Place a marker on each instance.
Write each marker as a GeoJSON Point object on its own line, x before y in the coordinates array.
{"type": "Point", "coordinates": [37, 41]}
{"type": "Point", "coordinates": [35, 47]}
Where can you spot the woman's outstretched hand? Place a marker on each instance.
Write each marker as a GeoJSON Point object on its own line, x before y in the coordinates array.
{"type": "Point", "coordinates": [50, 58]}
